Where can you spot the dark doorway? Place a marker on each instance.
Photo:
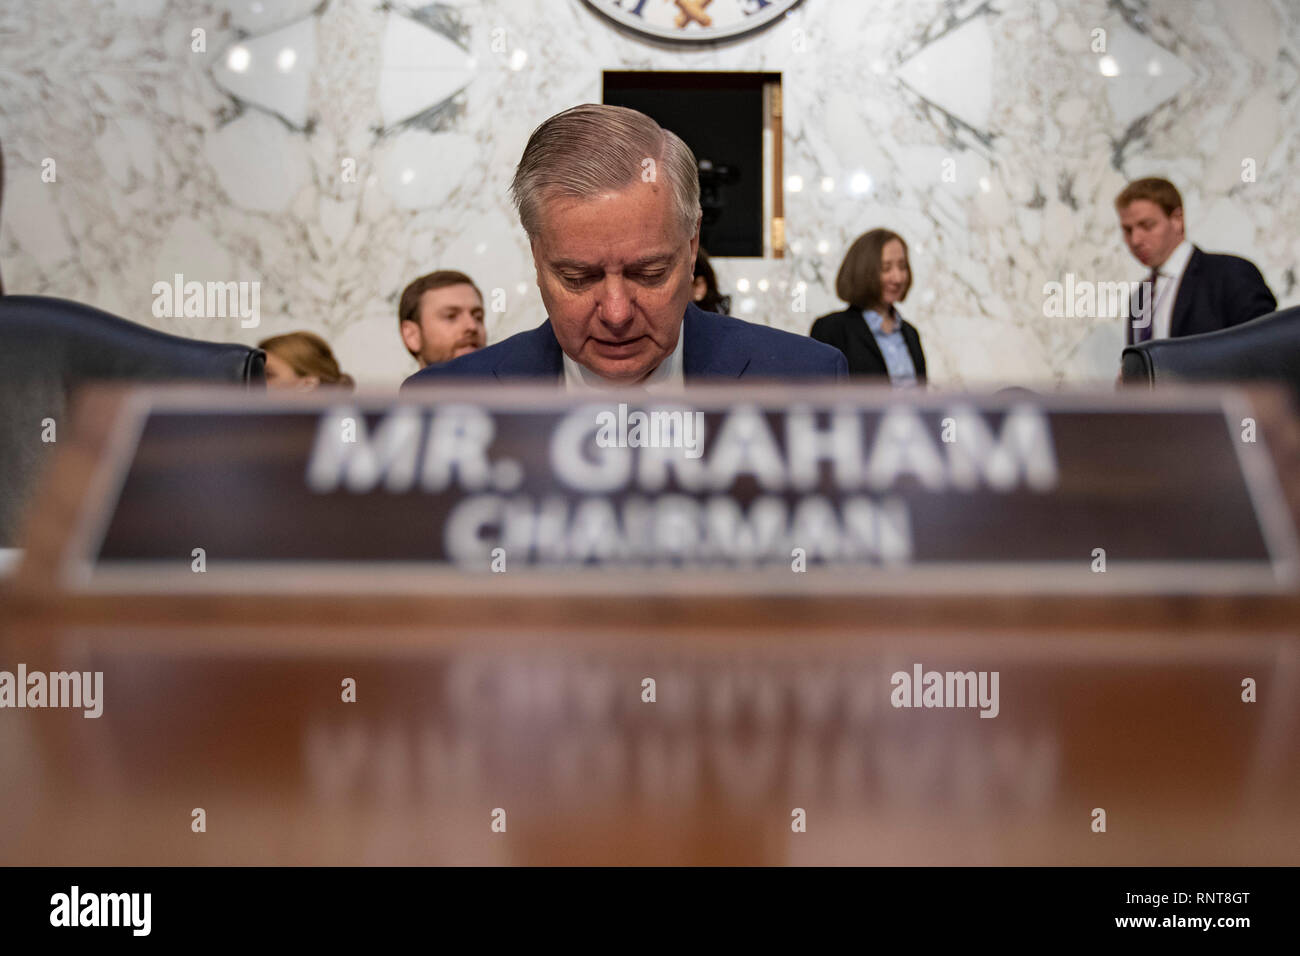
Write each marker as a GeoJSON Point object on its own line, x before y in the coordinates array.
{"type": "Point", "coordinates": [721, 116]}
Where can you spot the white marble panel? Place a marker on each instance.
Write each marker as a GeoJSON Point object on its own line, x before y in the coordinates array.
{"type": "Point", "coordinates": [993, 136]}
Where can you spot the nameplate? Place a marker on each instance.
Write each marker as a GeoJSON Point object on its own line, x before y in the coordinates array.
{"type": "Point", "coordinates": [514, 490]}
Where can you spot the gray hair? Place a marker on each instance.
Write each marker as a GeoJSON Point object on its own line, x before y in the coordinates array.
{"type": "Point", "coordinates": [593, 149]}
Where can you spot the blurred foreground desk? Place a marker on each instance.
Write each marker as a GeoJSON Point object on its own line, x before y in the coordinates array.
{"type": "Point", "coordinates": [353, 692]}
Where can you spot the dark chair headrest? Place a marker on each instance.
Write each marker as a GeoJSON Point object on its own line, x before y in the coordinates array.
{"type": "Point", "coordinates": [59, 340]}
{"type": "Point", "coordinates": [1263, 349]}
{"type": "Point", "coordinates": [49, 347]}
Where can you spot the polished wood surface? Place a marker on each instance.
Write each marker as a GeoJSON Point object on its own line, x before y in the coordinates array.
{"type": "Point", "coordinates": [534, 706]}
{"type": "Point", "coordinates": [449, 726]}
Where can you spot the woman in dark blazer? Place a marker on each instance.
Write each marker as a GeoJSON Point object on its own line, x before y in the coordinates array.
{"type": "Point", "coordinates": [875, 338]}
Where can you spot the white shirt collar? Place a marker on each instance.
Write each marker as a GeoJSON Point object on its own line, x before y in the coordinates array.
{"type": "Point", "coordinates": [1176, 264]}
{"type": "Point", "coordinates": [668, 377]}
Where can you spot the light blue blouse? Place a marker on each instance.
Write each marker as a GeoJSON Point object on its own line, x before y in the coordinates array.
{"type": "Point", "coordinates": [898, 360]}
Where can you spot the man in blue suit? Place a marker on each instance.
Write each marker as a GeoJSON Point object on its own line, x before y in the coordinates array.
{"type": "Point", "coordinates": [611, 206]}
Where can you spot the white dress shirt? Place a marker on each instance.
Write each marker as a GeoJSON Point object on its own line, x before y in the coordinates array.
{"type": "Point", "coordinates": [1169, 277]}
{"type": "Point", "coordinates": [670, 376]}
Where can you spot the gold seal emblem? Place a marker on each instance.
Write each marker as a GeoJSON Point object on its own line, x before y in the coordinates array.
{"type": "Point", "coordinates": [693, 21]}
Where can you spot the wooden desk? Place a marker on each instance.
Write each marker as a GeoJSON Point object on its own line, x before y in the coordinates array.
{"type": "Point", "coordinates": [764, 704]}
{"type": "Point", "coordinates": [451, 723]}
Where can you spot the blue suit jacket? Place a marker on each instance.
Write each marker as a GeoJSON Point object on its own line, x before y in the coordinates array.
{"type": "Point", "coordinates": [717, 348]}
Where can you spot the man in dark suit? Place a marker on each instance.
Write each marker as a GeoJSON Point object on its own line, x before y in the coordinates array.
{"type": "Point", "coordinates": [614, 239]}
{"type": "Point", "coordinates": [1187, 291]}
{"type": "Point", "coordinates": [714, 347]}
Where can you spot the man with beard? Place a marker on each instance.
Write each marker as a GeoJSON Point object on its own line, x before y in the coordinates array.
{"type": "Point", "coordinates": [440, 317]}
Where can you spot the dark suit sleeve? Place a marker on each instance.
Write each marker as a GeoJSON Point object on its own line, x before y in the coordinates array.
{"type": "Point", "coordinates": [1250, 297]}
{"type": "Point", "coordinates": [841, 368]}
{"type": "Point", "coordinates": [429, 375]}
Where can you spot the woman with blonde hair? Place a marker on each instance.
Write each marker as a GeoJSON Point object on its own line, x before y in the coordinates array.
{"type": "Point", "coordinates": [301, 360]}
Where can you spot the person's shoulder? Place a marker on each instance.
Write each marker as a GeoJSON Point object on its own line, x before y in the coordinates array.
{"type": "Point", "coordinates": [484, 362]}
{"type": "Point", "coordinates": [764, 343]}
{"type": "Point", "coordinates": [836, 319]}
{"type": "Point", "coordinates": [474, 365]}
{"type": "Point", "coordinates": [733, 327]}
{"type": "Point", "coordinates": [1226, 262]}
{"type": "Point", "coordinates": [841, 315]}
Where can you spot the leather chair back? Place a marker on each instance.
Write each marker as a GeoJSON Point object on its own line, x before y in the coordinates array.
{"type": "Point", "coordinates": [1263, 349]}
{"type": "Point", "coordinates": [49, 347]}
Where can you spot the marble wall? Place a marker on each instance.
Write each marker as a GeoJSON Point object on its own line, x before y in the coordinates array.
{"type": "Point", "coordinates": [333, 149]}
